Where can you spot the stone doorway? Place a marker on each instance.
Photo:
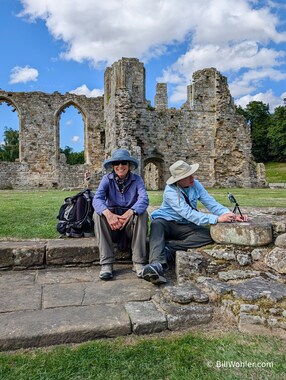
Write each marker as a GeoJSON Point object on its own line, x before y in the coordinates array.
{"type": "Point", "coordinates": [153, 175]}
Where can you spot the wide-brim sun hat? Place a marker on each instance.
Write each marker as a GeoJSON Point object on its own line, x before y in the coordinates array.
{"type": "Point", "coordinates": [120, 155]}
{"type": "Point", "coordinates": [180, 170]}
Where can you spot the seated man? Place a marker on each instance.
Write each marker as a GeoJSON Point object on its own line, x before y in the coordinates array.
{"type": "Point", "coordinates": [177, 224]}
{"type": "Point", "coordinates": [120, 205]}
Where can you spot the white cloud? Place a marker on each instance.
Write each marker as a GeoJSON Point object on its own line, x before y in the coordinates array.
{"type": "Point", "coordinates": [69, 122]}
{"type": "Point", "coordinates": [104, 31]}
{"type": "Point", "coordinates": [253, 79]}
{"type": "Point", "coordinates": [229, 59]}
{"type": "Point", "coordinates": [23, 74]}
{"type": "Point", "coordinates": [266, 97]}
{"type": "Point", "coordinates": [76, 139]}
{"type": "Point", "coordinates": [84, 90]}
{"type": "Point", "coordinates": [235, 20]}
{"type": "Point", "coordinates": [241, 38]}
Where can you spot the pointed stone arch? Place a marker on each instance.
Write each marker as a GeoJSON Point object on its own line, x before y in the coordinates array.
{"type": "Point", "coordinates": [57, 127]}
{"type": "Point", "coordinates": [15, 108]}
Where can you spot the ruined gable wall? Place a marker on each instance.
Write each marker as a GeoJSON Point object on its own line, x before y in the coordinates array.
{"type": "Point", "coordinates": [206, 130]}
{"type": "Point", "coordinates": [39, 162]}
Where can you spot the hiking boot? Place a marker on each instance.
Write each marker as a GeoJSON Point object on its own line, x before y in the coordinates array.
{"type": "Point", "coordinates": [106, 272]}
{"type": "Point", "coordinates": [138, 268]}
{"type": "Point", "coordinates": [153, 273]}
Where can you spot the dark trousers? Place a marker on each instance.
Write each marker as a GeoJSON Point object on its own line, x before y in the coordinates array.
{"type": "Point", "coordinates": [176, 236]}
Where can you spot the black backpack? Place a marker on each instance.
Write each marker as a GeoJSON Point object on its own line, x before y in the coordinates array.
{"type": "Point", "coordinates": [75, 215]}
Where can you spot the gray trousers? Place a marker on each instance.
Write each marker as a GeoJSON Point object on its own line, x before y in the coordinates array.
{"type": "Point", "coordinates": [135, 230]}
{"type": "Point", "coordinates": [176, 236]}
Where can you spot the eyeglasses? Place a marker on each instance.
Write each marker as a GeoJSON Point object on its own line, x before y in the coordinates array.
{"type": "Point", "coordinates": [116, 163]}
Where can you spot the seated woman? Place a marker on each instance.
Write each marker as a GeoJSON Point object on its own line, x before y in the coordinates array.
{"type": "Point", "coordinates": [120, 204]}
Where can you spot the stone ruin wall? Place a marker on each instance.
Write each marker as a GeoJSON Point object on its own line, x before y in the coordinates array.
{"type": "Point", "coordinates": [206, 130]}
{"type": "Point", "coordinates": [40, 162]}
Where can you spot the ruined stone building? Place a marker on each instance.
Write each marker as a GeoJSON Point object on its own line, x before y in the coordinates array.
{"type": "Point", "coordinates": [206, 130]}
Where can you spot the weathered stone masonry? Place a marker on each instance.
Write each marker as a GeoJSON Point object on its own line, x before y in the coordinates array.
{"type": "Point", "coordinates": [206, 130]}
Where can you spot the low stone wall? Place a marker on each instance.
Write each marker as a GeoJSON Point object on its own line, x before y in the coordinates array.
{"type": "Point", "coordinates": [247, 282]}
{"type": "Point", "coordinates": [38, 254]}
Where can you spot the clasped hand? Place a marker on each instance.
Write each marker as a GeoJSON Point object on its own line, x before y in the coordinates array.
{"type": "Point", "coordinates": [117, 222]}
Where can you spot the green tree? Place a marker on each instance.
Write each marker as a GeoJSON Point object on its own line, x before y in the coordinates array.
{"type": "Point", "coordinates": [259, 118]}
{"type": "Point", "coordinates": [277, 134]}
{"type": "Point", "coordinates": [9, 150]}
{"type": "Point", "coordinates": [73, 158]}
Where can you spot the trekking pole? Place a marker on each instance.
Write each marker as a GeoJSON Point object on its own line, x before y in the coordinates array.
{"type": "Point", "coordinates": [236, 207]}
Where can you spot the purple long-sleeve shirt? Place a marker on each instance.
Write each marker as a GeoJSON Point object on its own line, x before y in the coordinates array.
{"type": "Point", "coordinates": [108, 194]}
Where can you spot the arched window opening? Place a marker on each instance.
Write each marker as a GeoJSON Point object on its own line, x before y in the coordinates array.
{"type": "Point", "coordinates": [152, 176]}
{"type": "Point", "coordinates": [9, 132]}
{"type": "Point", "coordinates": [71, 135]}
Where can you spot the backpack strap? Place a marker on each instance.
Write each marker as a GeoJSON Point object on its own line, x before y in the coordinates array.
{"type": "Point", "coordinates": [188, 201]}
{"type": "Point", "coordinates": [81, 218]}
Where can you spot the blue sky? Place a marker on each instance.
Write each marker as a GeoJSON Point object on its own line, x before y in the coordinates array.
{"type": "Point", "coordinates": [65, 46]}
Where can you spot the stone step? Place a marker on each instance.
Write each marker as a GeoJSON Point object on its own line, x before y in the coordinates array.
{"type": "Point", "coordinates": [71, 305]}
{"type": "Point", "coordinates": [42, 253]}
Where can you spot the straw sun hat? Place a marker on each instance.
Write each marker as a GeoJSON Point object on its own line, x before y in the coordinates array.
{"type": "Point", "coordinates": [180, 170]}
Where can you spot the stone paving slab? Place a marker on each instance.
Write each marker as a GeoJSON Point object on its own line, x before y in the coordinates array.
{"type": "Point", "coordinates": [8, 279]}
{"type": "Point", "coordinates": [123, 290]}
{"type": "Point", "coordinates": [62, 325]}
{"type": "Point", "coordinates": [63, 305]}
{"type": "Point", "coordinates": [16, 298]}
{"type": "Point", "coordinates": [84, 294]}
{"type": "Point", "coordinates": [63, 295]}
{"type": "Point", "coordinates": [67, 276]}
{"type": "Point", "coordinates": [145, 317]}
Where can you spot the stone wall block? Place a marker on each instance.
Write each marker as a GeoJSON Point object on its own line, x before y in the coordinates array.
{"type": "Point", "coordinates": [280, 241]}
{"type": "Point", "coordinates": [184, 294]}
{"type": "Point", "coordinates": [183, 315]}
{"type": "Point", "coordinates": [187, 264]}
{"type": "Point", "coordinates": [245, 234]}
{"type": "Point", "coordinates": [276, 259]}
{"type": "Point", "coordinates": [145, 317]}
{"type": "Point", "coordinates": [71, 251]}
{"type": "Point", "coordinates": [255, 324]}
{"type": "Point", "coordinates": [23, 254]}
{"type": "Point", "coordinates": [258, 253]}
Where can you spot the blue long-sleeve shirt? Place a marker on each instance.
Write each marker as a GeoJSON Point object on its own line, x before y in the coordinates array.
{"type": "Point", "coordinates": [174, 206]}
{"type": "Point", "coordinates": [109, 196]}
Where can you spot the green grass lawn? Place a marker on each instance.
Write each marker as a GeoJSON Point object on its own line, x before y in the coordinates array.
{"type": "Point", "coordinates": [199, 356]}
{"type": "Point", "coordinates": [32, 214]}
{"type": "Point", "coordinates": [275, 172]}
